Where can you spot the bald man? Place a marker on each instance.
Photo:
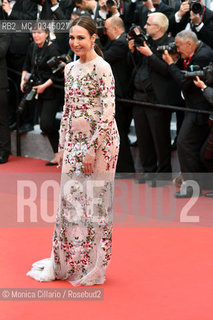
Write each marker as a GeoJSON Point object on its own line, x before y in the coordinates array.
{"type": "Point", "coordinates": [116, 55]}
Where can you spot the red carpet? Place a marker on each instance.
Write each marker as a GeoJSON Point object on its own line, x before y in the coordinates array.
{"type": "Point", "coordinates": [160, 270]}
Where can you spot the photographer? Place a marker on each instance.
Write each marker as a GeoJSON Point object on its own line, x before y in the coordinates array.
{"type": "Point", "coordinates": [194, 16]}
{"type": "Point", "coordinates": [207, 150]}
{"type": "Point", "coordinates": [96, 12]}
{"type": "Point", "coordinates": [36, 63]}
{"type": "Point", "coordinates": [153, 83]}
{"type": "Point", "coordinates": [19, 10]}
{"type": "Point", "coordinates": [91, 6]}
{"type": "Point", "coordinates": [4, 125]}
{"type": "Point", "coordinates": [56, 10]}
{"type": "Point", "coordinates": [116, 55]}
{"type": "Point", "coordinates": [139, 11]}
{"type": "Point", "coordinates": [194, 130]}
{"type": "Point", "coordinates": [119, 8]}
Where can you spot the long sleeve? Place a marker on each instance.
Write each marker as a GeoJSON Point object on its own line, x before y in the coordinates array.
{"type": "Point", "coordinates": [64, 119]}
{"type": "Point", "coordinates": [4, 45]}
{"type": "Point", "coordinates": [208, 94]}
{"type": "Point", "coordinates": [104, 125]}
{"type": "Point", "coordinates": [24, 10]}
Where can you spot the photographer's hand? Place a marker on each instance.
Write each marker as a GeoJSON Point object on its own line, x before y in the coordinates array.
{"type": "Point", "coordinates": [199, 83]}
{"type": "Point", "coordinates": [195, 18]}
{"type": "Point", "coordinates": [54, 2]}
{"type": "Point", "coordinates": [183, 9]}
{"type": "Point", "coordinates": [40, 88]}
{"type": "Point", "coordinates": [145, 50]}
{"type": "Point", "coordinates": [6, 6]}
{"type": "Point", "coordinates": [22, 85]}
{"type": "Point", "coordinates": [131, 45]}
{"type": "Point", "coordinates": [22, 80]}
{"type": "Point", "coordinates": [113, 10]}
{"type": "Point", "coordinates": [167, 58]}
{"type": "Point", "coordinates": [148, 4]}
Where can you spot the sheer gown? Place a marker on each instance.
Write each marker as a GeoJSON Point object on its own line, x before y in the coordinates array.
{"type": "Point", "coordinates": [82, 239]}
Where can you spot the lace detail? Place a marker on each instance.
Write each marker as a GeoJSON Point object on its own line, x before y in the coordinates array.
{"type": "Point", "coordinates": [82, 238]}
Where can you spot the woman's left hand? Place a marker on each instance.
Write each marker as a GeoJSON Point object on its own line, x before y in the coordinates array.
{"type": "Point", "coordinates": [88, 164]}
{"type": "Point", "coordinates": [40, 88]}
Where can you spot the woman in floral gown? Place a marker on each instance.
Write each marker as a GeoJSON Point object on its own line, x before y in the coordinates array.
{"type": "Point", "coordinates": [88, 150]}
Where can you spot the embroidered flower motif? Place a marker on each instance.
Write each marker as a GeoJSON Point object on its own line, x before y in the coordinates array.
{"type": "Point", "coordinates": [83, 236]}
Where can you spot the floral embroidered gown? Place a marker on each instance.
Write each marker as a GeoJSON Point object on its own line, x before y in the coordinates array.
{"type": "Point", "coordinates": [82, 238]}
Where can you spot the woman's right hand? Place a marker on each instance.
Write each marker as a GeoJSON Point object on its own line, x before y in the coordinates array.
{"type": "Point", "coordinates": [59, 158]}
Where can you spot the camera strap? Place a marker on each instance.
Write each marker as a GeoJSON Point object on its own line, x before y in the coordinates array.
{"type": "Point", "coordinates": [187, 61]}
{"type": "Point", "coordinates": [204, 9]}
{"type": "Point", "coordinates": [96, 11]}
{"type": "Point", "coordinates": [33, 59]}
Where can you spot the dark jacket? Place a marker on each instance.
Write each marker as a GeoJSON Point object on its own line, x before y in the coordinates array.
{"type": "Point", "coordinates": [22, 10]}
{"type": "Point", "coordinates": [208, 94]}
{"type": "Point", "coordinates": [4, 45]}
{"type": "Point", "coordinates": [163, 89]}
{"type": "Point", "coordinates": [194, 97]}
{"type": "Point", "coordinates": [205, 34]}
{"type": "Point", "coordinates": [116, 56]}
{"type": "Point", "coordinates": [36, 63]}
{"type": "Point", "coordinates": [138, 13]}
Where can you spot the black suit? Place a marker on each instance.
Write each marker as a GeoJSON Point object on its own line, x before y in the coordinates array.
{"type": "Point", "coordinates": [205, 33]}
{"type": "Point", "coordinates": [63, 12]}
{"type": "Point", "coordinates": [207, 149]}
{"type": "Point", "coordinates": [116, 56]}
{"type": "Point", "coordinates": [138, 13]}
{"type": "Point", "coordinates": [4, 125]}
{"type": "Point", "coordinates": [22, 10]}
{"type": "Point", "coordinates": [152, 124]}
{"type": "Point", "coordinates": [195, 129]}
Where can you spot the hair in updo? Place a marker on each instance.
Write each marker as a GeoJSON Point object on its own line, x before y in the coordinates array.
{"type": "Point", "coordinates": [89, 24]}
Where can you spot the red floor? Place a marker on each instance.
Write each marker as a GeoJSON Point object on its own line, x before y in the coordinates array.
{"type": "Point", "coordinates": [160, 270]}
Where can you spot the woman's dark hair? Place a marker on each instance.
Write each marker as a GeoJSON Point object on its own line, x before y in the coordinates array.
{"type": "Point", "coordinates": [89, 24]}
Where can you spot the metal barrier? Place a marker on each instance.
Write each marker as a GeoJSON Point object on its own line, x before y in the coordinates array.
{"type": "Point", "coordinates": [123, 101]}
{"type": "Point", "coordinates": [162, 106]}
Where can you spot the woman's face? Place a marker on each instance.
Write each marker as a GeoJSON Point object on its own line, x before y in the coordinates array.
{"type": "Point", "coordinates": [39, 36]}
{"type": "Point", "coordinates": [80, 41]}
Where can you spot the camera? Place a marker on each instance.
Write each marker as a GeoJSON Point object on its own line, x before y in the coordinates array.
{"type": "Point", "coordinates": [30, 93]}
{"type": "Point", "coordinates": [195, 6]}
{"type": "Point", "coordinates": [55, 62]}
{"type": "Point", "coordinates": [206, 74]}
{"type": "Point", "coordinates": [111, 3]}
{"type": "Point", "coordinates": [137, 34]}
{"type": "Point", "coordinates": [171, 48]}
{"type": "Point", "coordinates": [100, 26]}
